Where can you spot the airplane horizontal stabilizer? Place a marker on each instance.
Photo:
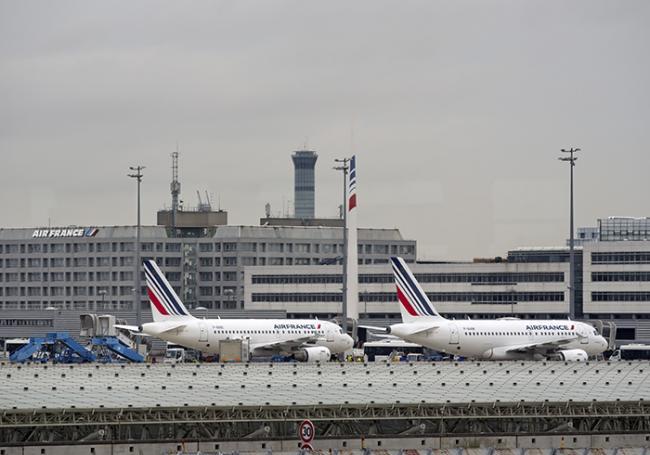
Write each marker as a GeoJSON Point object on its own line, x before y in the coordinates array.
{"type": "Point", "coordinates": [131, 328]}
{"type": "Point", "coordinates": [171, 327]}
{"type": "Point", "coordinates": [415, 329]}
{"type": "Point", "coordinates": [372, 327]}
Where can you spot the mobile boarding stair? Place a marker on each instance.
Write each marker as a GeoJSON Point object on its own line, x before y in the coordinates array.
{"type": "Point", "coordinates": [106, 345]}
{"type": "Point", "coordinates": [59, 347]}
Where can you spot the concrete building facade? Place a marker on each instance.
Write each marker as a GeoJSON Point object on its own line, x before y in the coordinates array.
{"type": "Point", "coordinates": [50, 276]}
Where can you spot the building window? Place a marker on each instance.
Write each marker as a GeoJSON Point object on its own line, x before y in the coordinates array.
{"type": "Point", "coordinates": [173, 247]}
{"type": "Point", "coordinates": [206, 262]}
{"type": "Point", "coordinates": [380, 249]}
{"type": "Point", "coordinates": [206, 247]}
{"type": "Point", "coordinates": [276, 247]}
{"type": "Point", "coordinates": [620, 296]}
{"type": "Point", "coordinates": [229, 276]}
{"type": "Point", "coordinates": [102, 262]}
{"type": "Point", "coordinates": [250, 247]}
{"type": "Point", "coordinates": [172, 262]}
{"type": "Point", "coordinates": [248, 261]}
{"type": "Point", "coordinates": [302, 248]}
{"type": "Point", "coordinates": [205, 276]}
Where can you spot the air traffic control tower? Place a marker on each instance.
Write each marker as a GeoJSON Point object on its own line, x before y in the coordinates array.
{"type": "Point", "coordinates": [304, 162]}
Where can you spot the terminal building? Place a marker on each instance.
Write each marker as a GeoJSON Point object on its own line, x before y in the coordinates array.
{"type": "Point", "coordinates": [48, 277]}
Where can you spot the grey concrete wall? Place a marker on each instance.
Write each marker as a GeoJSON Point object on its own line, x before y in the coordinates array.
{"type": "Point", "coordinates": [601, 441]}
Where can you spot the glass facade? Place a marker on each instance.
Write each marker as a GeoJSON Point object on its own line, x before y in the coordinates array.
{"type": "Point", "coordinates": [304, 183]}
{"type": "Point", "coordinates": [614, 229]}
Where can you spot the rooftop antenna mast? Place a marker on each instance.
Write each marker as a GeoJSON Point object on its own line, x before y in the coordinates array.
{"type": "Point", "coordinates": [175, 187]}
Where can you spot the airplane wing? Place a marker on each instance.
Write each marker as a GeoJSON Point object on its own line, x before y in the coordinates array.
{"type": "Point", "coordinates": [285, 345]}
{"type": "Point", "coordinates": [541, 347]}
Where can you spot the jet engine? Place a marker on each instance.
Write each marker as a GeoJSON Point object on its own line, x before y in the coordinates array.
{"type": "Point", "coordinates": [573, 355]}
{"type": "Point", "coordinates": [315, 354]}
{"type": "Point", "coordinates": [501, 353]}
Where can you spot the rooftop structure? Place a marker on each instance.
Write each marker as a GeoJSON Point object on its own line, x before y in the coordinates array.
{"type": "Point", "coordinates": [304, 162]}
{"type": "Point", "coordinates": [622, 228]}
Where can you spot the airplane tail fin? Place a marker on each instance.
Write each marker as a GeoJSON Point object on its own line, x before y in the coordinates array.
{"type": "Point", "coordinates": [165, 304]}
{"type": "Point", "coordinates": [413, 301]}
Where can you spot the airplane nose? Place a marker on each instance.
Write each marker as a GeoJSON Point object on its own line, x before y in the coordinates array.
{"type": "Point", "coordinates": [349, 342]}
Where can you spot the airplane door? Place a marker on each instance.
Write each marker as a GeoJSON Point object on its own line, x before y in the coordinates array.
{"type": "Point", "coordinates": [584, 335]}
{"type": "Point", "coordinates": [203, 332]}
{"type": "Point", "coordinates": [453, 334]}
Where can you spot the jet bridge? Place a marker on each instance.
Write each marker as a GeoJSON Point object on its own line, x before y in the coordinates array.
{"type": "Point", "coordinates": [106, 341]}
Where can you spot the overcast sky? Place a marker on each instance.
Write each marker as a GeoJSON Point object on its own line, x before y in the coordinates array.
{"type": "Point", "coordinates": [456, 110]}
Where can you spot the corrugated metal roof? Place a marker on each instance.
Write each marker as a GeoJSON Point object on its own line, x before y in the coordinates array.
{"type": "Point", "coordinates": [149, 386]}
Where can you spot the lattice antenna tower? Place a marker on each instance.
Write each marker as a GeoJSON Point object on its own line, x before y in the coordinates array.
{"type": "Point", "coordinates": [175, 186]}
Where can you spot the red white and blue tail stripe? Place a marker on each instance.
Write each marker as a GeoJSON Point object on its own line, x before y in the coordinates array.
{"type": "Point", "coordinates": [352, 186]}
{"type": "Point", "coordinates": [165, 304]}
{"type": "Point", "coordinates": [412, 298]}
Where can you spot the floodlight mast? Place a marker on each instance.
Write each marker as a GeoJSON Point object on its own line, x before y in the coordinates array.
{"type": "Point", "coordinates": [137, 296]}
{"type": "Point", "coordinates": [571, 159]}
{"type": "Point", "coordinates": [344, 302]}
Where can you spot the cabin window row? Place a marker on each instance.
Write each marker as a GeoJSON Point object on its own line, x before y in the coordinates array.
{"type": "Point", "coordinates": [527, 333]}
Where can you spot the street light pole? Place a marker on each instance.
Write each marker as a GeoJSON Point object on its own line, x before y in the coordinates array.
{"type": "Point", "coordinates": [137, 297]}
{"type": "Point", "coordinates": [344, 302]}
{"type": "Point", "coordinates": [572, 291]}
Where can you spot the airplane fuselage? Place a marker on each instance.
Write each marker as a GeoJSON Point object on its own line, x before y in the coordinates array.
{"type": "Point", "coordinates": [494, 339]}
{"type": "Point", "coordinates": [205, 334]}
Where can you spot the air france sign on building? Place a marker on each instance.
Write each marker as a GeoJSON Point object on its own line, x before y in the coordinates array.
{"type": "Point", "coordinates": [64, 233]}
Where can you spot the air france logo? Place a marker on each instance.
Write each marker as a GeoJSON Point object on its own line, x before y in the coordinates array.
{"type": "Point", "coordinates": [295, 326]}
{"type": "Point", "coordinates": [548, 327]}
{"type": "Point", "coordinates": [65, 233]}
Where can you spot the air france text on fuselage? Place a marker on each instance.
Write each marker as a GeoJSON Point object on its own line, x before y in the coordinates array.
{"type": "Point", "coordinates": [294, 327]}
{"type": "Point", "coordinates": [548, 327]}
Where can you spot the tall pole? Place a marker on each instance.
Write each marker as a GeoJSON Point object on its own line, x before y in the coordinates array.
{"type": "Point", "coordinates": [344, 307]}
{"type": "Point", "coordinates": [137, 297]}
{"type": "Point", "coordinates": [572, 290]}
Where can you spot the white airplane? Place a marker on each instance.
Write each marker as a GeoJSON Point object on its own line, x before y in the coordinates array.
{"type": "Point", "coordinates": [500, 339]}
{"type": "Point", "coordinates": [305, 339]}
